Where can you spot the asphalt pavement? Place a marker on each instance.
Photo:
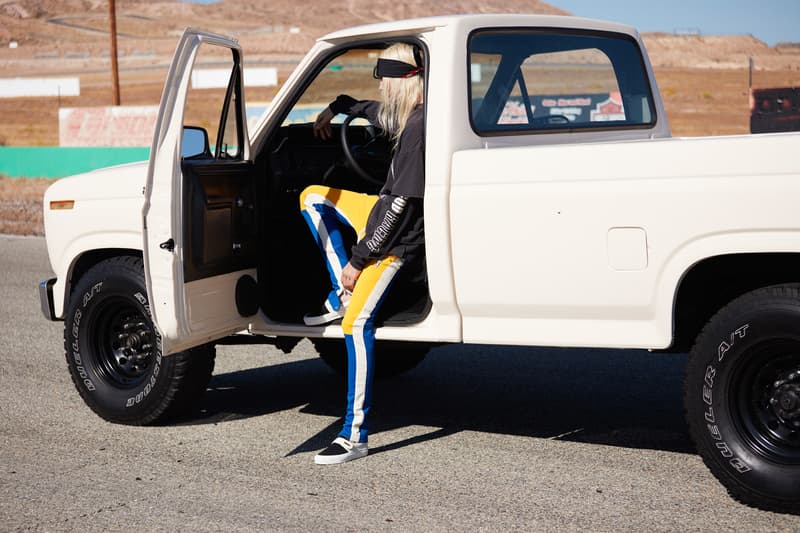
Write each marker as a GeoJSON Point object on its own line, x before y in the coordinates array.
{"type": "Point", "coordinates": [475, 438]}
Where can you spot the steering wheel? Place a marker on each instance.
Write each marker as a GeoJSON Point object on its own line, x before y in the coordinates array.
{"type": "Point", "coordinates": [553, 120]}
{"type": "Point", "coordinates": [348, 154]}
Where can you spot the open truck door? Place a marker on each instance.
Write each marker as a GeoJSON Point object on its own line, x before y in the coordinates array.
{"type": "Point", "coordinates": [199, 212]}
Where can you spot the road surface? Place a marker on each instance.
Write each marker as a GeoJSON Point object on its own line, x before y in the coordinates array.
{"type": "Point", "coordinates": [475, 438]}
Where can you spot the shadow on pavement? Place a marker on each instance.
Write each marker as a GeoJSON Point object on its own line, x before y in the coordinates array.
{"type": "Point", "coordinates": [626, 398]}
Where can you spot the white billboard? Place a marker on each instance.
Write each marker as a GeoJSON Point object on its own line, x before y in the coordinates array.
{"type": "Point", "coordinates": [21, 87]}
{"type": "Point", "coordinates": [215, 78]}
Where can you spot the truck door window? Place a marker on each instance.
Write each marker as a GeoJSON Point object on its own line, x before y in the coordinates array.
{"type": "Point", "coordinates": [348, 73]}
{"type": "Point", "coordinates": [229, 147]}
{"type": "Point", "coordinates": [212, 100]}
{"type": "Point", "coordinates": [534, 81]}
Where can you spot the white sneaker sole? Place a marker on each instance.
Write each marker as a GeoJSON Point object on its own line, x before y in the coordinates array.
{"type": "Point", "coordinates": [323, 319]}
{"type": "Point", "coordinates": [339, 459]}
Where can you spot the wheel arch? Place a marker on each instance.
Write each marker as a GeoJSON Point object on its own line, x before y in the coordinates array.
{"type": "Point", "coordinates": [713, 282]}
{"type": "Point", "coordinates": [82, 263]}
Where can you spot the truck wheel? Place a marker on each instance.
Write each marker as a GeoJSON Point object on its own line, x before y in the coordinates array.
{"type": "Point", "coordinates": [392, 358]}
{"type": "Point", "coordinates": [113, 349]}
{"type": "Point", "coordinates": [742, 397]}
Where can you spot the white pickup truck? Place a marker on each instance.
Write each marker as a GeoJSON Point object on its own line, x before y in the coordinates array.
{"type": "Point", "coordinates": [558, 212]}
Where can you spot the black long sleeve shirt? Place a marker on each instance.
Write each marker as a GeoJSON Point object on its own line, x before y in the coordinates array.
{"type": "Point", "coordinates": [396, 223]}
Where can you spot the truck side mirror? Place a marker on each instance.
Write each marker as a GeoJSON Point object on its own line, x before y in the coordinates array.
{"type": "Point", "coordinates": [195, 143]}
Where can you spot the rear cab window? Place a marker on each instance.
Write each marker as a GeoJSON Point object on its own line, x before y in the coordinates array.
{"type": "Point", "coordinates": [525, 81]}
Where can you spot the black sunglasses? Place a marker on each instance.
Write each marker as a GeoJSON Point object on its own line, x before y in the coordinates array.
{"type": "Point", "coordinates": [391, 68]}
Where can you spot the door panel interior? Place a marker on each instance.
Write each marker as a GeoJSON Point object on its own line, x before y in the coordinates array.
{"type": "Point", "coordinates": [219, 217]}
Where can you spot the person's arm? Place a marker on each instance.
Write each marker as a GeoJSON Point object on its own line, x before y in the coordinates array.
{"type": "Point", "coordinates": [389, 218]}
{"type": "Point", "coordinates": [393, 215]}
{"type": "Point", "coordinates": [347, 105]}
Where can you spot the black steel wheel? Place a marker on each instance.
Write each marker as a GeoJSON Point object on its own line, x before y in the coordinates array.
{"type": "Point", "coordinates": [123, 340]}
{"type": "Point", "coordinates": [767, 405]}
{"type": "Point", "coordinates": [742, 397]}
{"type": "Point", "coordinates": [113, 349]}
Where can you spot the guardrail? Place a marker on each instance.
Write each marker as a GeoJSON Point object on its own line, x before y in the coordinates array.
{"type": "Point", "coordinates": [57, 162]}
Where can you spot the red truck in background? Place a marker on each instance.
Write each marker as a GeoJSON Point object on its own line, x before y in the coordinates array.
{"type": "Point", "coordinates": [774, 110]}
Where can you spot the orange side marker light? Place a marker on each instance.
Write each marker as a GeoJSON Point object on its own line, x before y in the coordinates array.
{"type": "Point", "coordinates": [57, 205]}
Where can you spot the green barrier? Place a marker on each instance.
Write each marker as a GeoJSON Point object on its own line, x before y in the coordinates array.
{"type": "Point", "coordinates": [57, 162]}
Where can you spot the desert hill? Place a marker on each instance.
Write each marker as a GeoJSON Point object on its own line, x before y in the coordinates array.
{"type": "Point", "coordinates": [266, 23]}
{"type": "Point", "coordinates": [71, 30]}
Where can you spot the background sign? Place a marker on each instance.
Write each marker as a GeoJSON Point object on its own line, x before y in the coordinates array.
{"type": "Point", "coordinates": [579, 108]}
{"type": "Point", "coordinates": [107, 126]}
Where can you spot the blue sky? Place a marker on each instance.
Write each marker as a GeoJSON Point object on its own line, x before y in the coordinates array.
{"type": "Point", "coordinates": [771, 21]}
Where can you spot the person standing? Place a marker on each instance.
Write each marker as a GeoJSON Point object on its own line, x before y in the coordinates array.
{"type": "Point", "coordinates": [390, 230]}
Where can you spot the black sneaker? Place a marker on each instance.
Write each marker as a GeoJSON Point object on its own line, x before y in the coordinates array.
{"type": "Point", "coordinates": [341, 450]}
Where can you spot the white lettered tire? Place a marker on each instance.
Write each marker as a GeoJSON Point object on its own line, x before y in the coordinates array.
{"type": "Point", "coordinates": [742, 397]}
{"type": "Point", "coordinates": [113, 349]}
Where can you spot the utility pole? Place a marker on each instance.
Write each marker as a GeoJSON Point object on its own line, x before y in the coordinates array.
{"type": "Point", "coordinates": [112, 15]}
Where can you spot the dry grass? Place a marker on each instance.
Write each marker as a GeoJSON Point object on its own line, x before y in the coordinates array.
{"type": "Point", "coordinates": [21, 205]}
{"type": "Point", "coordinates": [703, 102]}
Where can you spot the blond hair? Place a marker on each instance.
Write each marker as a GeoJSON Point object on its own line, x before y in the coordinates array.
{"type": "Point", "coordinates": [399, 96]}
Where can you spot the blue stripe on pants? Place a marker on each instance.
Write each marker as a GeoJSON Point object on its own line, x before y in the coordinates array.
{"type": "Point", "coordinates": [336, 241]}
{"type": "Point", "coordinates": [359, 327]}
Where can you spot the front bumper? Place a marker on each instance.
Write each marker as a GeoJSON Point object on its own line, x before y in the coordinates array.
{"type": "Point", "coordinates": [46, 298]}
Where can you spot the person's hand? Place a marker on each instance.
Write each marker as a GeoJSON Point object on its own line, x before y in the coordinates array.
{"type": "Point", "coordinates": [322, 126]}
{"type": "Point", "coordinates": [349, 276]}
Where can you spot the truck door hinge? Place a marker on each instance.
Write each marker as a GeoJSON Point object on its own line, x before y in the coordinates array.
{"type": "Point", "coordinates": [168, 245]}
